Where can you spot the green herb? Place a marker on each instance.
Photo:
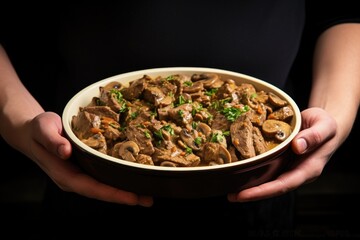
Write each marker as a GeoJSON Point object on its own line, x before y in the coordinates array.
{"type": "Point", "coordinates": [170, 77]}
{"type": "Point", "coordinates": [254, 95]}
{"type": "Point", "coordinates": [211, 92]}
{"type": "Point", "coordinates": [123, 107]}
{"type": "Point", "coordinates": [209, 118]}
{"type": "Point", "coordinates": [159, 134]}
{"type": "Point", "coordinates": [198, 141]}
{"type": "Point", "coordinates": [188, 83]}
{"type": "Point", "coordinates": [219, 104]}
{"type": "Point", "coordinates": [217, 137]}
{"type": "Point", "coordinates": [188, 150]}
{"type": "Point", "coordinates": [232, 113]}
{"type": "Point", "coordinates": [117, 95]}
{"type": "Point", "coordinates": [196, 108]}
{"type": "Point", "coordinates": [113, 125]}
{"type": "Point", "coordinates": [147, 134]}
{"type": "Point", "coordinates": [194, 124]}
{"type": "Point", "coordinates": [134, 115]}
{"type": "Point", "coordinates": [181, 100]}
{"type": "Point", "coordinates": [169, 129]}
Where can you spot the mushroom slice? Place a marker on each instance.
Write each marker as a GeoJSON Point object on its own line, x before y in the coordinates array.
{"type": "Point", "coordinates": [189, 138]}
{"type": "Point", "coordinates": [283, 114]}
{"type": "Point", "coordinates": [276, 100]}
{"type": "Point", "coordinates": [168, 164]}
{"type": "Point", "coordinates": [215, 153]}
{"type": "Point", "coordinates": [112, 85]}
{"type": "Point", "coordinates": [96, 141]}
{"type": "Point", "coordinates": [276, 129]}
{"type": "Point", "coordinates": [204, 129]}
{"type": "Point", "coordinates": [195, 87]}
{"type": "Point", "coordinates": [129, 150]}
{"type": "Point", "coordinates": [115, 150]}
{"type": "Point", "coordinates": [209, 80]}
{"type": "Point", "coordinates": [224, 155]}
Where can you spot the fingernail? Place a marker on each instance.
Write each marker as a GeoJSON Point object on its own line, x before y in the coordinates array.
{"type": "Point", "coordinates": [302, 145]}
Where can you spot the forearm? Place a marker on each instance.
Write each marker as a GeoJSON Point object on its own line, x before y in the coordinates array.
{"type": "Point", "coordinates": [17, 105]}
{"type": "Point", "coordinates": [336, 75]}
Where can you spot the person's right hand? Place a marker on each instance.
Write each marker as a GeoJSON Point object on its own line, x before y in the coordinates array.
{"type": "Point", "coordinates": [51, 151]}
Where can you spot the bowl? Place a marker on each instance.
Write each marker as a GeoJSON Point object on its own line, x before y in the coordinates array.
{"type": "Point", "coordinates": [179, 182]}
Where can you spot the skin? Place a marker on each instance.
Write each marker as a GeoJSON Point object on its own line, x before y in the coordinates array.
{"type": "Point", "coordinates": [326, 125]}
{"type": "Point", "coordinates": [331, 112]}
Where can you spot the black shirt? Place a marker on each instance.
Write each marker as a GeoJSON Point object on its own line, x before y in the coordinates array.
{"type": "Point", "coordinates": [80, 44]}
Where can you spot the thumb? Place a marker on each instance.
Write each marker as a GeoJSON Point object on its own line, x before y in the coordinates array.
{"type": "Point", "coordinates": [48, 129]}
{"type": "Point", "coordinates": [317, 127]}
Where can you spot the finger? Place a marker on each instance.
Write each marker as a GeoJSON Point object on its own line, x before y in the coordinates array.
{"type": "Point", "coordinates": [70, 178]}
{"type": "Point", "coordinates": [283, 184]}
{"type": "Point", "coordinates": [85, 185]}
{"type": "Point", "coordinates": [89, 187]}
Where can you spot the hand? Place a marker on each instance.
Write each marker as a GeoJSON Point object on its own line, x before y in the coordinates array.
{"type": "Point", "coordinates": [314, 145]}
{"type": "Point", "coordinates": [50, 150]}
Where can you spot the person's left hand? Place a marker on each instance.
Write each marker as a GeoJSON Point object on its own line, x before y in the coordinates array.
{"type": "Point", "coordinates": [314, 146]}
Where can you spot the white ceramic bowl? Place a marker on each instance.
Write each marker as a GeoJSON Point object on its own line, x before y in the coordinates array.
{"type": "Point", "coordinates": [179, 182]}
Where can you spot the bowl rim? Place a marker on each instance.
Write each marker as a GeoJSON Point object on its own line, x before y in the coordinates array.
{"type": "Point", "coordinates": [66, 119]}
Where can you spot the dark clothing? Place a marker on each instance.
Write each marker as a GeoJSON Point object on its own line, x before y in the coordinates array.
{"type": "Point", "coordinates": [72, 46]}
{"type": "Point", "coordinates": [88, 43]}
{"type": "Point", "coordinates": [258, 38]}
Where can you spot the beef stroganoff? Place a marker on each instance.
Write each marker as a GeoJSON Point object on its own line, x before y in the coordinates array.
{"type": "Point", "coordinates": [183, 120]}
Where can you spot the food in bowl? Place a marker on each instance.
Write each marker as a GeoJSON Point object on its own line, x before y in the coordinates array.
{"type": "Point", "coordinates": [183, 120]}
{"type": "Point", "coordinates": [181, 132]}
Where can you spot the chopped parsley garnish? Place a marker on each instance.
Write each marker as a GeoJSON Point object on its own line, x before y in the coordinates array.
{"type": "Point", "coordinates": [188, 83]}
{"type": "Point", "coordinates": [216, 137]}
{"type": "Point", "coordinates": [254, 95]}
{"type": "Point", "coordinates": [188, 150]}
{"type": "Point", "coordinates": [194, 124]}
{"type": "Point", "coordinates": [134, 115]}
{"type": "Point", "coordinates": [123, 107]}
{"type": "Point", "coordinates": [182, 100]}
{"type": "Point", "coordinates": [232, 113]}
{"type": "Point", "coordinates": [211, 92]}
{"type": "Point", "coordinates": [114, 125]}
{"type": "Point", "coordinates": [169, 129]}
{"type": "Point", "coordinates": [198, 141]}
{"type": "Point", "coordinates": [170, 77]}
{"type": "Point", "coordinates": [147, 134]}
{"type": "Point", "coordinates": [117, 95]}
{"type": "Point", "coordinates": [219, 104]}
{"type": "Point", "coordinates": [196, 108]}
{"type": "Point", "coordinates": [159, 134]}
